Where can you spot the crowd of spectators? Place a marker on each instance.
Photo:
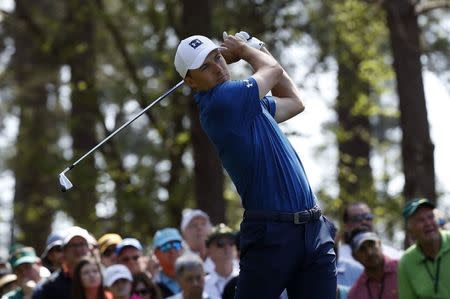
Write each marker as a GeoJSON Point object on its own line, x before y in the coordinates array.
{"type": "Point", "coordinates": [201, 261]}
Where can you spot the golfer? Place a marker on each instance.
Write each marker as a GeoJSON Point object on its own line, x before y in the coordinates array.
{"type": "Point", "coordinates": [285, 242]}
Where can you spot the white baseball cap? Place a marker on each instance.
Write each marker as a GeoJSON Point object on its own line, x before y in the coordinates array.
{"type": "Point", "coordinates": [115, 272]}
{"type": "Point", "coordinates": [189, 215]}
{"type": "Point", "coordinates": [192, 52]}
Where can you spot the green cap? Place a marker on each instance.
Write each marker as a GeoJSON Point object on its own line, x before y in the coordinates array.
{"type": "Point", "coordinates": [412, 206]}
{"type": "Point", "coordinates": [23, 255]}
{"type": "Point", "coordinates": [218, 231]}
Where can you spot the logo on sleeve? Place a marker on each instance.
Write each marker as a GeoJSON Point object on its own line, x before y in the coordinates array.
{"type": "Point", "coordinates": [248, 84]}
{"type": "Point", "coordinates": [195, 43]}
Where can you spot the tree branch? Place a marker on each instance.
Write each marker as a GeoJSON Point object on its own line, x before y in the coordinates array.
{"type": "Point", "coordinates": [424, 7]}
{"type": "Point", "coordinates": [130, 66]}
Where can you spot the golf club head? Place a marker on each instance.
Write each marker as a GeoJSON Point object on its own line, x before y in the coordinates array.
{"type": "Point", "coordinates": [64, 182]}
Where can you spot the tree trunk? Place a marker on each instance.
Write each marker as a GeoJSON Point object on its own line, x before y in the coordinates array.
{"type": "Point", "coordinates": [417, 148]}
{"type": "Point", "coordinates": [36, 161]}
{"type": "Point", "coordinates": [354, 171]}
{"type": "Point", "coordinates": [85, 110]}
{"type": "Point", "coordinates": [209, 176]}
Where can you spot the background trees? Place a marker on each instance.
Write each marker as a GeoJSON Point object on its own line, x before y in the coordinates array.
{"type": "Point", "coordinates": [74, 70]}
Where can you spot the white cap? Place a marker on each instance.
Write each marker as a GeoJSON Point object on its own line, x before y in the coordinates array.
{"type": "Point", "coordinates": [76, 231]}
{"type": "Point", "coordinates": [189, 214]}
{"type": "Point", "coordinates": [192, 52]}
{"type": "Point", "coordinates": [115, 272]}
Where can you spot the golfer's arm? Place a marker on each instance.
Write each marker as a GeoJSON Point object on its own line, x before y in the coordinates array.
{"type": "Point", "coordinates": [288, 101]}
{"type": "Point", "coordinates": [267, 71]}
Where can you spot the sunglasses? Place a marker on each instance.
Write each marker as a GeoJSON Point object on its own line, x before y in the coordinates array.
{"type": "Point", "coordinates": [171, 245]}
{"type": "Point", "coordinates": [126, 259]}
{"type": "Point", "coordinates": [221, 243]}
{"type": "Point", "coordinates": [361, 218]}
{"type": "Point", "coordinates": [142, 292]}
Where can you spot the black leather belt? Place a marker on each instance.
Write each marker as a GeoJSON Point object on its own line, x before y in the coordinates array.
{"type": "Point", "coordinates": [296, 218]}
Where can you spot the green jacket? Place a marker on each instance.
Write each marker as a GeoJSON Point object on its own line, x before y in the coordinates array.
{"type": "Point", "coordinates": [418, 277]}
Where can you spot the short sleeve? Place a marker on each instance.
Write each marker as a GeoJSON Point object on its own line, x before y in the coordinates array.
{"type": "Point", "coordinates": [269, 104]}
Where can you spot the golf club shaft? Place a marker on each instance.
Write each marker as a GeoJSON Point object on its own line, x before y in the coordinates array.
{"type": "Point", "coordinates": [124, 125]}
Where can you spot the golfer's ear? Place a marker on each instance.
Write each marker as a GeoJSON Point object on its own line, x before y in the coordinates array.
{"type": "Point", "coordinates": [190, 82]}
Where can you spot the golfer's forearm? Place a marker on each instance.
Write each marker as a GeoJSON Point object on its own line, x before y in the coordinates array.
{"type": "Point", "coordinates": [285, 88]}
{"type": "Point", "coordinates": [260, 60]}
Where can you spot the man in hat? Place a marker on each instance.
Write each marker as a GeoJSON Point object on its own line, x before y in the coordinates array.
{"type": "Point", "coordinates": [26, 267]}
{"type": "Point", "coordinates": [118, 279]}
{"type": "Point", "coordinates": [222, 251]}
{"type": "Point", "coordinates": [379, 279]}
{"type": "Point", "coordinates": [195, 228]}
{"type": "Point", "coordinates": [77, 243]}
{"type": "Point", "coordinates": [359, 216]}
{"type": "Point", "coordinates": [107, 247]}
{"type": "Point", "coordinates": [129, 253]}
{"type": "Point", "coordinates": [52, 257]}
{"type": "Point", "coordinates": [168, 246]}
{"type": "Point", "coordinates": [281, 211]}
{"type": "Point", "coordinates": [424, 269]}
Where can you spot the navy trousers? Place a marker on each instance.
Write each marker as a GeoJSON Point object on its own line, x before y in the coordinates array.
{"type": "Point", "coordinates": [279, 255]}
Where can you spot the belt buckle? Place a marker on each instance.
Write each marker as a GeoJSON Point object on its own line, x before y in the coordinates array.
{"type": "Point", "coordinates": [297, 218]}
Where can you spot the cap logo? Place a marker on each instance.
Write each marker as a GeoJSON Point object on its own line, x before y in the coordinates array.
{"type": "Point", "coordinates": [195, 43]}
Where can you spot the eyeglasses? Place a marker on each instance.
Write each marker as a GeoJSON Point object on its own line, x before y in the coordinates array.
{"type": "Point", "coordinates": [126, 259]}
{"type": "Point", "coordinates": [171, 245]}
{"type": "Point", "coordinates": [142, 292]}
{"type": "Point", "coordinates": [361, 218]}
{"type": "Point", "coordinates": [221, 243]}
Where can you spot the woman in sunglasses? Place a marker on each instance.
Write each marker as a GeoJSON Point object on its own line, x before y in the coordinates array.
{"type": "Point", "coordinates": [144, 287]}
{"type": "Point", "coordinates": [87, 281]}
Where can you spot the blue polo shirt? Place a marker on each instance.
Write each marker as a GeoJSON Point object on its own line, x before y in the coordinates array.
{"type": "Point", "coordinates": [263, 165]}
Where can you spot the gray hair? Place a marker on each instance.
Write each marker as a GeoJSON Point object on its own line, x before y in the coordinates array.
{"type": "Point", "coordinates": [187, 261]}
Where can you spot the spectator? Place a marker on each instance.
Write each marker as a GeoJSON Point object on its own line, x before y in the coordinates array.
{"type": "Point", "coordinates": [348, 270]}
{"type": "Point", "coordinates": [129, 253]}
{"type": "Point", "coordinates": [144, 287]}
{"type": "Point", "coordinates": [195, 227]}
{"type": "Point", "coordinates": [359, 216]}
{"type": "Point", "coordinates": [168, 247]}
{"type": "Point", "coordinates": [87, 280]}
{"type": "Point", "coordinates": [118, 280]}
{"type": "Point", "coordinates": [107, 245]}
{"type": "Point", "coordinates": [52, 257]}
{"type": "Point", "coordinates": [8, 282]}
{"type": "Point", "coordinates": [26, 266]}
{"type": "Point", "coordinates": [76, 245]}
{"type": "Point", "coordinates": [379, 279]}
{"type": "Point", "coordinates": [222, 251]}
{"type": "Point", "coordinates": [191, 277]}
{"type": "Point", "coordinates": [424, 269]}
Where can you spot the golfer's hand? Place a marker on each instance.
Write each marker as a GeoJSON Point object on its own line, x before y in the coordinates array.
{"type": "Point", "coordinates": [250, 40]}
{"type": "Point", "coordinates": [231, 48]}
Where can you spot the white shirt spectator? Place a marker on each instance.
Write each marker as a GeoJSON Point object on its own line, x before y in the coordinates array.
{"type": "Point", "coordinates": [214, 283]}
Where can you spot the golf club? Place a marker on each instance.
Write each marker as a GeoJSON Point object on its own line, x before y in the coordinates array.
{"type": "Point", "coordinates": [65, 182]}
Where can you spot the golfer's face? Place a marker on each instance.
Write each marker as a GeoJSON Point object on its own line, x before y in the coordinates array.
{"type": "Point", "coordinates": [213, 71]}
